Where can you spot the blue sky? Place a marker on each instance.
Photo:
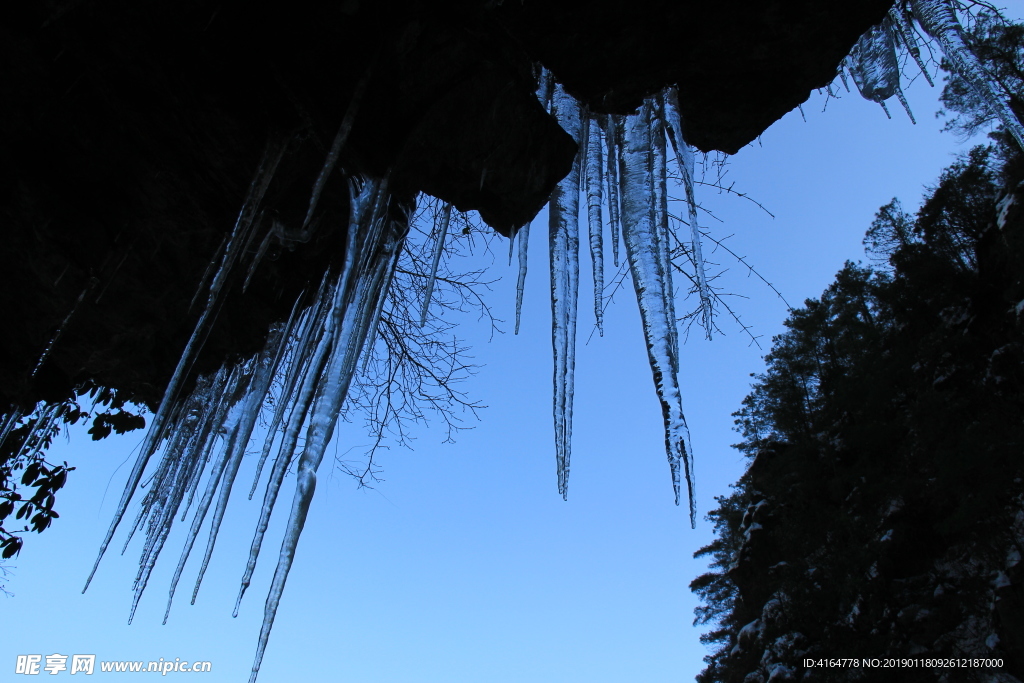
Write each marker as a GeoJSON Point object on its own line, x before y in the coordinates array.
{"type": "Point", "coordinates": [465, 564]}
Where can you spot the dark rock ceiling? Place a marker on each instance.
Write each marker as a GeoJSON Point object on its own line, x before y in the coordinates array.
{"type": "Point", "coordinates": [131, 131]}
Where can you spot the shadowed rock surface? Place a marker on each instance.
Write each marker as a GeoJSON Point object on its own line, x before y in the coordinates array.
{"type": "Point", "coordinates": [131, 132]}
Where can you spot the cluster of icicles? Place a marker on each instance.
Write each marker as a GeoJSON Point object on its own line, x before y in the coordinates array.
{"type": "Point", "coordinates": [311, 359]}
{"type": "Point", "coordinates": [874, 61]}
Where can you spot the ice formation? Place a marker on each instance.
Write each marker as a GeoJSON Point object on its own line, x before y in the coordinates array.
{"type": "Point", "coordinates": [874, 61]}
{"type": "Point", "coordinates": [875, 66]}
{"type": "Point", "coordinates": [647, 250]}
{"type": "Point", "coordinates": [313, 357]}
{"type": "Point", "coordinates": [595, 226]}
{"type": "Point", "coordinates": [303, 375]}
{"type": "Point", "coordinates": [523, 236]}
{"type": "Point", "coordinates": [442, 232]}
{"type": "Point", "coordinates": [564, 245]}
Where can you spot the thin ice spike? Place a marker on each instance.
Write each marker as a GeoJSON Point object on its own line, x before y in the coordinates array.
{"type": "Point", "coordinates": [905, 30]}
{"type": "Point", "coordinates": [523, 236]}
{"type": "Point", "coordinates": [563, 211]}
{"type": "Point", "coordinates": [906, 105]}
{"type": "Point", "coordinates": [661, 221]}
{"type": "Point", "coordinates": [340, 138]}
{"type": "Point", "coordinates": [442, 233]}
{"type": "Point", "coordinates": [684, 157]}
{"type": "Point", "coordinates": [378, 311]}
{"type": "Point", "coordinates": [595, 162]}
{"type": "Point", "coordinates": [614, 220]}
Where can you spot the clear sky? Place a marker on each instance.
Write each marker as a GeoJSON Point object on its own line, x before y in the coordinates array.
{"type": "Point", "coordinates": [465, 564]}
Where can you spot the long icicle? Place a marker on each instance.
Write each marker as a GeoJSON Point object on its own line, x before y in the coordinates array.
{"type": "Point", "coordinates": [304, 343]}
{"type": "Point", "coordinates": [168, 488]}
{"type": "Point", "coordinates": [684, 157]}
{"type": "Point", "coordinates": [905, 30]}
{"type": "Point", "coordinates": [563, 214]}
{"type": "Point", "coordinates": [523, 236]}
{"type": "Point", "coordinates": [232, 253]}
{"type": "Point", "coordinates": [314, 370]}
{"type": "Point", "coordinates": [362, 279]}
{"type": "Point", "coordinates": [938, 20]}
{"type": "Point", "coordinates": [614, 220]}
{"type": "Point", "coordinates": [661, 220]}
{"type": "Point", "coordinates": [340, 138]}
{"type": "Point", "coordinates": [642, 249]}
{"type": "Point", "coordinates": [595, 162]}
{"type": "Point", "coordinates": [249, 412]}
{"type": "Point", "coordinates": [442, 232]}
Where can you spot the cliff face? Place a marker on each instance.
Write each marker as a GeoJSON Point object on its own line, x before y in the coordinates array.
{"type": "Point", "coordinates": [131, 133]}
{"type": "Point", "coordinates": [882, 515]}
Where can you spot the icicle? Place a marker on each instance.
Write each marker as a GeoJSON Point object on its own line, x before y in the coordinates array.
{"type": "Point", "coordinates": [314, 370]}
{"type": "Point", "coordinates": [11, 419]}
{"type": "Point", "coordinates": [442, 232]}
{"type": "Point", "coordinates": [593, 175]}
{"type": "Point", "coordinates": [524, 238]}
{"type": "Point", "coordinates": [842, 74]}
{"type": "Point", "coordinates": [63, 325]}
{"type": "Point", "coordinates": [35, 439]}
{"type": "Point", "coordinates": [563, 211]}
{"type": "Point", "coordinates": [581, 158]}
{"type": "Point", "coordinates": [361, 282]}
{"type": "Point", "coordinates": [218, 254]}
{"type": "Point", "coordinates": [685, 160]}
{"type": "Point", "coordinates": [938, 20]}
{"type": "Point", "coordinates": [802, 114]}
{"type": "Point", "coordinates": [545, 88]}
{"type": "Point", "coordinates": [339, 141]}
{"type": "Point", "coordinates": [232, 253]}
{"type": "Point", "coordinates": [385, 287]}
{"type": "Point", "coordinates": [643, 248]}
{"type": "Point", "coordinates": [303, 345]}
{"type": "Point", "coordinates": [874, 65]}
{"type": "Point", "coordinates": [614, 219]}
{"type": "Point", "coordinates": [906, 105]}
{"type": "Point", "coordinates": [886, 110]}
{"type": "Point", "coordinates": [660, 214]}
{"type": "Point", "coordinates": [170, 481]}
{"type": "Point", "coordinates": [905, 30]}
{"type": "Point", "coordinates": [247, 412]}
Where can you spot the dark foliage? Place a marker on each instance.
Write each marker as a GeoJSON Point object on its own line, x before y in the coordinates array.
{"type": "Point", "coordinates": [881, 511]}
{"type": "Point", "coordinates": [23, 464]}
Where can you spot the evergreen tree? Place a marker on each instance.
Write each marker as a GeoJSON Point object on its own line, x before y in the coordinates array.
{"type": "Point", "coordinates": [881, 514]}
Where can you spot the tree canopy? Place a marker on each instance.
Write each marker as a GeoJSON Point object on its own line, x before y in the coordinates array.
{"type": "Point", "coordinates": [881, 513]}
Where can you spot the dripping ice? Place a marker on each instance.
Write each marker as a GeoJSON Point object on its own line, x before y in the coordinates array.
{"type": "Point", "coordinates": [310, 359]}
{"type": "Point", "coordinates": [563, 236]}
{"type": "Point", "coordinates": [647, 252]}
{"type": "Point", "coordinates": [874, 61]}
